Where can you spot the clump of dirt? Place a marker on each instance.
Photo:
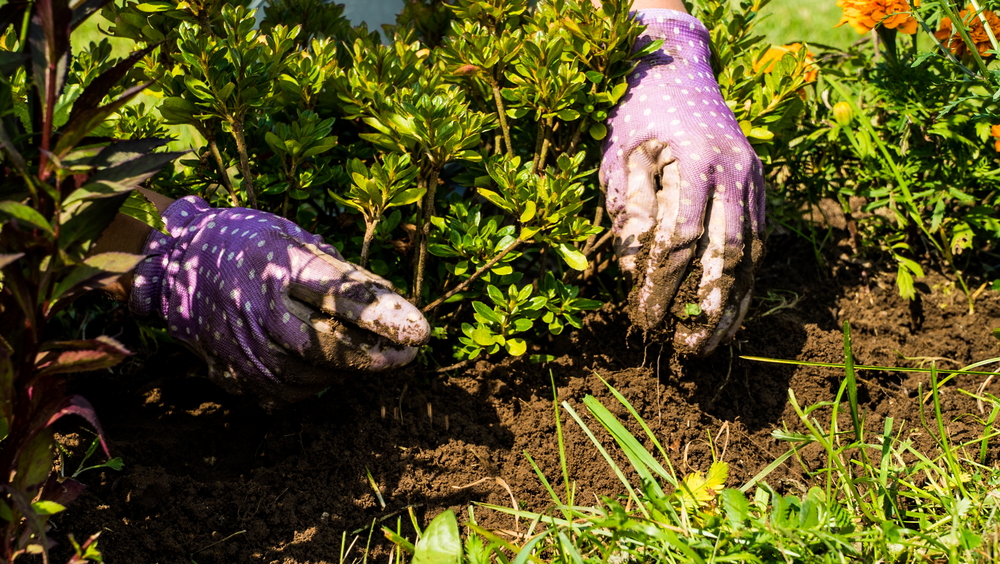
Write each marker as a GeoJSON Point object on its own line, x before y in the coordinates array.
{"type": "Point", "coordinates": [212, 477]}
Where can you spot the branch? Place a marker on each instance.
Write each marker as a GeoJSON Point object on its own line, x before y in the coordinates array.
{"type": "Point", "coordinates": [224, 176]}
{"type": "Point", "coordinates": [474, 277]}
{"type": "Point", "coordinates": [502, 116]}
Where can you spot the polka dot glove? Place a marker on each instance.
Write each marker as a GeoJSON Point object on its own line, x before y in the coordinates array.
{"type": "Point", "coordinates": [272, 309]}
{"type": "Point", "coordinates": [683, 183]}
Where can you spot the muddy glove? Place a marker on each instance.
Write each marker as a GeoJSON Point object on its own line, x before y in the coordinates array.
{"type": "Point", "coordinates": [685, 190]}
{"type": "Point", "coordinates": [273, 310]}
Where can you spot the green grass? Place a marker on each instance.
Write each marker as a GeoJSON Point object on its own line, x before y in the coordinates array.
{"type": "Point", "coordinates": [812, 21]}
{"type": "Point", "coordinates": [873, 496]}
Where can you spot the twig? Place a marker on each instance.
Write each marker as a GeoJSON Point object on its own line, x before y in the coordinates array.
{"type": "Point", "coordinates": [502, 116]}
{"type": "Point", "coordinates": [443, 369]}
{"type": "Point", "coordinates": [223, 175]}
{"type": "Point", "coordinates": [600, 243]}
{"type": "Point", "coordinates": [598, 216]}
{"type": "Point", "coordinates": [482, 270]}
{"type": "Point", "coordinates": [425, 233]}
{"type": "Point", "coordinates": [241, 148]}
{"type": "Point", "coordinates": [546, 142]}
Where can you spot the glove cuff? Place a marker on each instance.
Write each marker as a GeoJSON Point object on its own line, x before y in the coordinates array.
{"type": "Point", "coordinates": [150, 278]}
{"type": "Point", "coordinates": [685, 38]}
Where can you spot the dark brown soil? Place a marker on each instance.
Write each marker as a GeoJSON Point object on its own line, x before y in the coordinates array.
{"type": "Point", "coordinates": [211, 477]}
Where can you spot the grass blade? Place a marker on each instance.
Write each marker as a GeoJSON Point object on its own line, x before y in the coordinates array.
{"type": "Point", "coordinates": [851, 379]}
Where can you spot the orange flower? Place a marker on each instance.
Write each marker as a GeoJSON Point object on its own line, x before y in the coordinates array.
{"type": "Point", "coordinates": [995, 132]}
{"type": "Point", "coordinates": [864, 15]}
{"type": "Point", "coordinates": [977, 32]}
{"type": "Point", "coordinates": [775, 54]}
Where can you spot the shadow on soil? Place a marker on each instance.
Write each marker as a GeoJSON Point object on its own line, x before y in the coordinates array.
{"type": "Point", "coordinates": [211, 477]}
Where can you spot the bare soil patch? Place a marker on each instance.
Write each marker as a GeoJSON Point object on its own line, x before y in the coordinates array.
{"type": "Point", "coordinates": [201, 465]}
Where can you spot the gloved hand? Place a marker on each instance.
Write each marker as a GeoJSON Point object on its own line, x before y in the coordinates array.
{"type": "Point", "coordinates": [272, 309]}
{"type": "Point", "coordinates": [683, 183]}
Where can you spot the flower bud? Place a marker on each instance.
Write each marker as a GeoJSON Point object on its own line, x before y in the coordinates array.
{"type": "Point", "coordinates": [842, 113]}
{"type": "Point", "coordinates": [466, 69]}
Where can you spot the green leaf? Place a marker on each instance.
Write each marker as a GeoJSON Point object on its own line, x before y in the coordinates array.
{"type": "Point", "coordinates": [407, 197]}
{"type": "Point", "coordinates": [275, 142]}
{"type": "Point", "coordinates": [496, 296]}
{"type": "Point", "coordinates": [760, 133]}
{"type": "Point", "coordinates": [137, 206]}
{"type": "Point", "coordinates": [24, 214]}
{"type": "Point", "coordinates": [482, 336]}
{"type": "Point", "coordinates": [529, 211]}
{"type": "Point", "coordinates": [568, 114]}
{"type": "Point", "coordinates": [574, 258]}
{"type": "Point", "coordinates": [83, 124]}
{"type": "Point", "coordinates": [598, 131]}
{"type": "Point", "coordinates": [516, 346]}
{"type": "Point", "coordinates": [486, 312]}
{"type": "Point", "coordinates": [618, 91]}
{"type": "Point", "coordinates": [155, 6]}
{"type": "Point", "coordinates": [45, 507]}
{"type": "Point", "coordinates": [440, 543]}
{"type": "Point", "coordinates": [736, 506]}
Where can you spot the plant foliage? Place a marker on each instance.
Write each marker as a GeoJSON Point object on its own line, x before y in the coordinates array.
{"type": "Point", "coordinates": [62, 181]}
{"type": "Point", "coordinates": [458, 160]}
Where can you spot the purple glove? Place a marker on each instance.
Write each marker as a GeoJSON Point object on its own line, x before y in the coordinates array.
{"type": "Point", "coordinates": [240, 286]}
{"type": "Point", "coordinates": [683, 182]}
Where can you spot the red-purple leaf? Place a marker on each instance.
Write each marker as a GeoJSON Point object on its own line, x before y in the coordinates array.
{"type": "Point", "coordinates": [95, 272]}
{"type": "Point", "coordinates": [80, 356]}
{"type": "Point", "coordinates": [35, 525]}
{"type": "Point", "coordinates": [34, 462]}
{"type": "Point", "coordinates": [8, 259]}
{"type": "Point", "coordinates": [48, 36]}
{"type": "Point", "coordinates": [62, 492]}
{"type": "Point", "coordinates": [78, 405]}
{"type": "Point", "coordinates": [15, 157]}
{"type": "Point", "coordinates": [92, 95]}
{"type": "Point", "coordinates": [83, 10]}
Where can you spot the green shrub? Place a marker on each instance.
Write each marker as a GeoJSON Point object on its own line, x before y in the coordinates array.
{"type": "Point", "coordinates": [459, 161]}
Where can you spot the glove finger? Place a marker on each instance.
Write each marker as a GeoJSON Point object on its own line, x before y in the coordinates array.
{"type": "Point", "coordinates": [632, 200]}
{"type": "Point", "coordinates": [679, 224]}
{"type": "Point", "coordinates": [328, 342]}
{"type": "Point", "coordinates": [348, 292]}
{"type": "Point", "coordinates": [732, 252]}
{"type": "Point", "coordinates": [721, 252]}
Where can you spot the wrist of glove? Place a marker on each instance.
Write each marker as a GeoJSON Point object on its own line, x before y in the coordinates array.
{"type": "Point", "coordinates": [684, 188]}
{"type": "Point", "coordinates": [272, 309]}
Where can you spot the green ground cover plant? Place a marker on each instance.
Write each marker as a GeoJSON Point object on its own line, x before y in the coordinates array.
{"type": "Point", "coordinates": [876, 499]}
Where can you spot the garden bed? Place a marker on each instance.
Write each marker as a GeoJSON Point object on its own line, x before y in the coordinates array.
{"type": "Point", "coordinates": [201, 465]}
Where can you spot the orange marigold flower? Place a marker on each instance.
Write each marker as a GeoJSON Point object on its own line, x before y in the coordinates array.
{"type": "Point", "coordinates": [864, 15]}
{"type": "Point", "coordinates": [995, 132]}
{"type": "Point", "coordinates": [767, 61]}
{"type": "Point", "coordinates": [977, 32]}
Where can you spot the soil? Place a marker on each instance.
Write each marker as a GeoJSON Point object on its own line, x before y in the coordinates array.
{"type": "Point", "coordinates": [211, 477]}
